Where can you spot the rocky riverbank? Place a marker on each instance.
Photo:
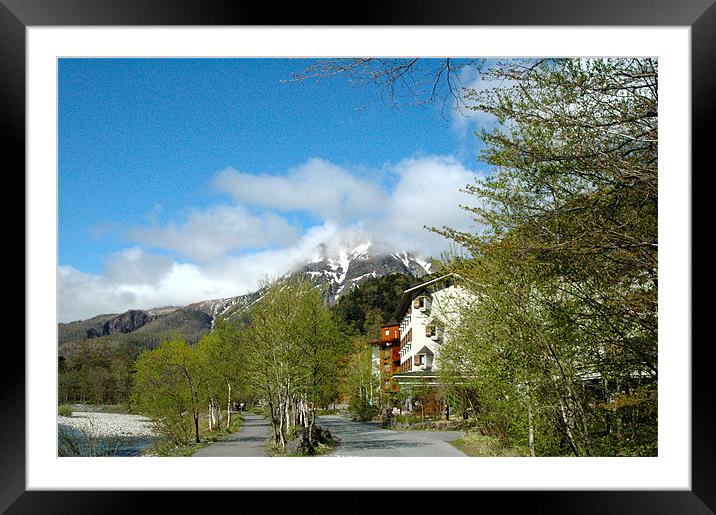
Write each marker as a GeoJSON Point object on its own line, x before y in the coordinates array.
{"type": "Point", "coordinates": [108, 424]}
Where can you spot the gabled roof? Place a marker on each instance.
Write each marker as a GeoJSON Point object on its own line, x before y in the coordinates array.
{"type": "Point", "coordinates": [411, 293]}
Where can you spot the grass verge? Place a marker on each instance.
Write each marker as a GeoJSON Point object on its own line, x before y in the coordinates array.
{"type": "Point", "coordinates": [478, 445]}
{"type": "Point", "coordinates": [165, 448]}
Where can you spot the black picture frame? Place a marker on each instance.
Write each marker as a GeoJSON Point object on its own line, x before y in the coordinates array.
{"type": "Point", "coordinates": [699, 15]}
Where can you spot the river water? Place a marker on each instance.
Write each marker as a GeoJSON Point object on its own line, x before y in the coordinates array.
{"type": "Point", "coordinates": [73, 442]}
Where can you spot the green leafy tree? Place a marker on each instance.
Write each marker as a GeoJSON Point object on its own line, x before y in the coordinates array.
{"type": "Point", "coordinates": [292, 348]}
{"type": "Point", "coordinates": [566, 262]}
{"type": "Point", "coordinates": [361, 385]}
{"type": "Point", "coordinates": [219, 353]}
{"type": "Point", "coordinates": [321, 346]}
{"type": "Point", "coordinates": [170, 388]}
{"type": "Point", "coordinates": [374, 303]}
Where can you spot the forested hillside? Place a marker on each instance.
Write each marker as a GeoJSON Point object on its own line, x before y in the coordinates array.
{"type": "Point", "coordinates": [96, 356]}
{"type": "Point", "coordinates": [374, 303]}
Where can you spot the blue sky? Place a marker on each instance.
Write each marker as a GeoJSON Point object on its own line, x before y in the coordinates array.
{"type": "Point", "coordinates": [175, 174]}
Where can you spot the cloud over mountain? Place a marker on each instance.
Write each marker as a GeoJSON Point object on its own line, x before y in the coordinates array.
{"type": "Point", "coordinates": [212, 233]}
{"type": "Point", "coordinates": [321, 188]}
{"type": "Point", "coordinates": [225, 249]}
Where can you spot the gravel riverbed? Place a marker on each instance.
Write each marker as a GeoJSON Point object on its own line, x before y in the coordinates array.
{"type": "Point", "coordinates": [108, 424]}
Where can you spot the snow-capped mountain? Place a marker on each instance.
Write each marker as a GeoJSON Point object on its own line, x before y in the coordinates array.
{"type": "Point", "coordinates": [229, 307]}
{"type": "Point", "coordinates": [337, 269]}
{"type": "Point", "coordinates": [347, 268]}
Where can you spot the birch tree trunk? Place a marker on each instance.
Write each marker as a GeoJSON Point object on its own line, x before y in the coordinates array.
{"type": "Point", "coordinates": [228, 406]}
{"type": "Point", "coordinates": [568, 425]}
{"type": "Point", "coordinates": [571, 401]}
{"type": "Point", "coordinates": [211, 418]}
{"type": "Point", "coordinates": [311, 423]}
{"type": "Point", "coordinates": [281, 439]}
{"type": "Point", "coordinates": [530, 424]}
{"type": "Point", "coordinates": [213, 414]}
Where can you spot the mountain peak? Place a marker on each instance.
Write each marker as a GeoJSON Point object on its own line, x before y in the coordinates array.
{"type": "Point", "coordinates": [337, 272]}
{"type": "Point", "coordinates": [343, 268]}
{"type": "Point", "coordinates": [340, 252]}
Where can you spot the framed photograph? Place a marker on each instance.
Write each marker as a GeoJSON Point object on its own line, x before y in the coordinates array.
{"type": "Point", "coordinates": [181, 160]}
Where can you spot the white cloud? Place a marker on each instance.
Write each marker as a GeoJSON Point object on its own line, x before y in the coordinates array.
{"type": "Point", "coordinates": [135, 279]}
{"type": "Point", "coordinates": [427, 194]}
{"type": "Point", "coordinates": [254, 266]}
{"type": "Point", "coordinates": [229, 249]}
{"type": "Point", "coordinates": [321, 188]}
{"type": "Point", "coordinates": [210, 234]}
{"type": "Point", "coordinates": [134, 266]}
{"type": "Point", "coordinates": [82, 296]}
{"type": "Point", "coordinates": [101, 230]}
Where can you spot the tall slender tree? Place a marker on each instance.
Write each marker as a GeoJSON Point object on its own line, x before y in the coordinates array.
{"type": "Point", "coordinates": [170, 388]}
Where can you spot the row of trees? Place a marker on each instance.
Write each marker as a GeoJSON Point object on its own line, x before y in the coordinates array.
{"type": "Point", "coordinates": [292, 350]}
{"type": "Point", "coordinates": [561, 350]}
{"type": "Point", "coordinates": [287, 355]}
{"type": "Point", "coordinates": [96, 374]}
{"type": "Point", "coordinates": [290, 353]}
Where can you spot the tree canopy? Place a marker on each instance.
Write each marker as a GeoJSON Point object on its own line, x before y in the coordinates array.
{"type": "Point", "coordinates": [292, 350]}
{"type": "Point", "coordinates": [374, 302]}
{"type": "Point", "coordinates": [566, 258]}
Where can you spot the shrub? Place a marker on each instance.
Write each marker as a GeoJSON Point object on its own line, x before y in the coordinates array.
{"type": "Point", "coordinates": [361, 410]}
{"type": "Point", "coordinates": [476, 444]}
{"type": "Point", "coordinates": [65, 410]}
{"type": "Point", "coordinates": [165, 447]}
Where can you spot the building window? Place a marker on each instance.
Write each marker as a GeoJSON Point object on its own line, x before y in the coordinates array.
{"type": "Point", "coordinates": [419, 359]}
{"type": "Point", "coordinates": [434, 331]}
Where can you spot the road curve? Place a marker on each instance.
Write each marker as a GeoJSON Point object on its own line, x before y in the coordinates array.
{"type": "Point", "coordinates": [249, 441]}
{"type": "Point", "coordinates": [360, 439]}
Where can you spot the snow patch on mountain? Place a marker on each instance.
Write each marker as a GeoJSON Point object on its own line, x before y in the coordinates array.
{"type": "Point", "coordinates": [360, 250]}
{"type": "Point", "coordinates": [336, 269]}
{"type": "Point", "coordinates": [425, 264]}
{"type": "Point", "coordinates": [341, 268]}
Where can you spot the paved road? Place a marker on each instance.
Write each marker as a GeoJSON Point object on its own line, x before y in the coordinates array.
{"type": "Point", "coordinates": [249, 441]}
{"type": "Point", "coordinates": [359, 439]}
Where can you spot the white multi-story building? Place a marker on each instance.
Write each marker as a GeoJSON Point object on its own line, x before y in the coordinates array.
{"type": "Point", "coordinates": [426, 314]}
